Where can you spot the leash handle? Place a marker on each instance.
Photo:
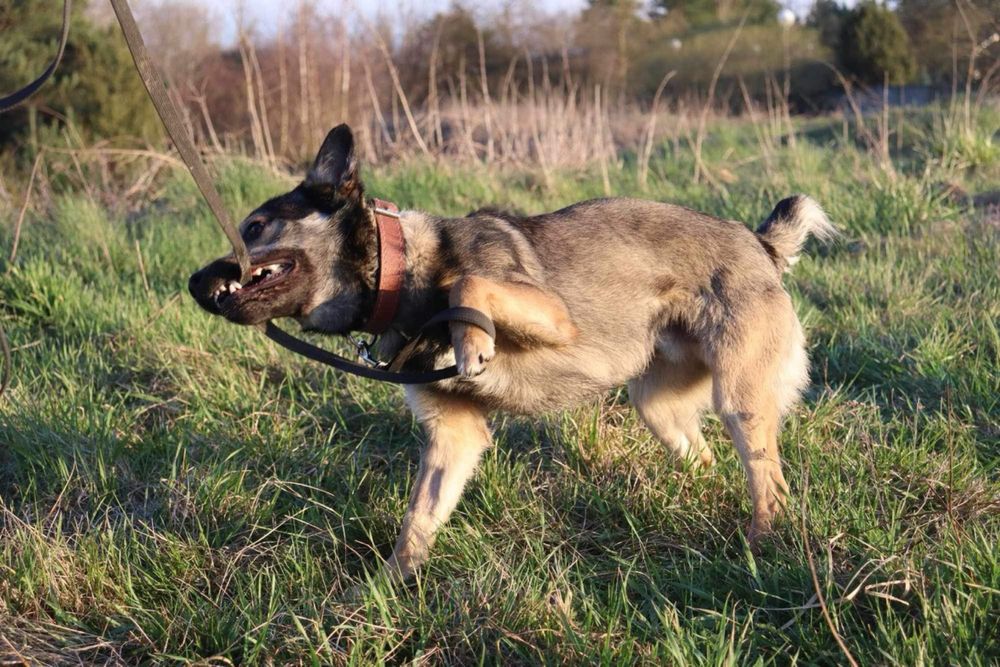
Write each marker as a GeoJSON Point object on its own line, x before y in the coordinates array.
{"type": "Point", "coordinates": [171, 119]}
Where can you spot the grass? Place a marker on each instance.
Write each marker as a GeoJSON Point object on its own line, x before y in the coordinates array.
{"type": "Point", "coordinates": [176, 489]}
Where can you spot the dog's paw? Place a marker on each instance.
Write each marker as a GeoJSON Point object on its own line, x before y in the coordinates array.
{"type": "Point", "coordinates": [759, 535]}
{"type": "Point", "coordinates": [473, 349]}
{"type": "Point", "coordinates": [775, 500]}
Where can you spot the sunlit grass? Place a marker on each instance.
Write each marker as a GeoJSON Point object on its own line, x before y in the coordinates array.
{"type": "Point", "coordinates": [175, 488]}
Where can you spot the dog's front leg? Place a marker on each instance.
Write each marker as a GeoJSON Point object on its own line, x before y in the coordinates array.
{"type": "Point", "coordinates": [523, 312]}
{"type": "Point", "coordinates": [457, 435]}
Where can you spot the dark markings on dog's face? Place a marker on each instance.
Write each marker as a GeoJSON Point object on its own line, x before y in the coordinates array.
{"type": "Point", "coordinates": [313, 251]}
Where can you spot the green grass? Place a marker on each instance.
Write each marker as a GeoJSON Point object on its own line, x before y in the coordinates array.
{"type": "Point", "coordinates": [173, 488]}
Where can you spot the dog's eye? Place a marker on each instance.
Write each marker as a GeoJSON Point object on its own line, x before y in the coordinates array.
{"type": "Point", "coordinates": [253, 231]}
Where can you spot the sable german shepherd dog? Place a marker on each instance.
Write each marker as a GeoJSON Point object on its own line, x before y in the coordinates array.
{"type": "Point", "coordinates": [687, 309]}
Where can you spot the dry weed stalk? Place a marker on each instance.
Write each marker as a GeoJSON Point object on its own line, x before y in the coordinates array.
{"type": "Point", "coordinates": [700, 168]}
{"type": "Point", "coordinates": [877, 145]}
{"type": "Point", "coordinates": [256, 126]}
{"type": "Point", "coordinates": [765, 138]}
{"type": "Point", "coordinates": [398, 88]}
{"type": "Point", "coordinates": [812, 569]}
{"type": "Point", "coordinates": [648, 139]}
{"type": "Point", "coordinates": [24, 209]}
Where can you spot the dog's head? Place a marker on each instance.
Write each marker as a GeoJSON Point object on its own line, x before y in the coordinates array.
{"type": "Point", "coordinates": [313, 252]}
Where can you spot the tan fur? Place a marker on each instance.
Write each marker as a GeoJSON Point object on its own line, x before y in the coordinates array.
{"type": "Point", "coordinates": [670, 398]}
{"type": "Point", "coordinates": [750, 373]}
{"type": "Point", "coordinates": [457, 435]}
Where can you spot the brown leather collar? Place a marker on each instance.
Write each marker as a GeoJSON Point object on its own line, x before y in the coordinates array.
{"type": "Point", "coordinates": [391, 266]}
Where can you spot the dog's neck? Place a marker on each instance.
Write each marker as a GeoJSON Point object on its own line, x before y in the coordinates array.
{"type": "Point", "coordinates": [421, 295]}
{"type": "Point", "coordinates": [391, 266]}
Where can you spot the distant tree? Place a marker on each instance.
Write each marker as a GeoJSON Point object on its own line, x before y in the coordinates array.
{"type": "Point", "coordinates": [827, 16]}
{"type": "Point", "coordinates": [183, 34]}
{"type": "Point", "coordinates": [96, 87]}
{"type": "Point", "coordinates": [451, 40]}
{"type": "Point", "coordinates": [630, 5]}
{"type": "Point", "coordinates": [874, 46]}
{"type": "Point", "coordinates": [941, 34]}
{"type": "Point", "coordinates": [703, 13]}
{"type": "Point", "coordinates": [609, 32]}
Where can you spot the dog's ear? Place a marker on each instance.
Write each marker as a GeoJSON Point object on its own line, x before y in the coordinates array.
{"type": "Point", "coordinates": [335, 170]}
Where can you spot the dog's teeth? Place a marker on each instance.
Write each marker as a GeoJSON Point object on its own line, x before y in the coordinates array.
{"type": "Point", "coordinates": [258, 271]}
{"type": "Point", "coordinates": [233, 286]}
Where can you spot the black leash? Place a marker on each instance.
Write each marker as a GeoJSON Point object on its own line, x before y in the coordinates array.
{"type": "Point", "coordinates": [387, 372]}
{"type": "Point", "coordinates": [189, 155]}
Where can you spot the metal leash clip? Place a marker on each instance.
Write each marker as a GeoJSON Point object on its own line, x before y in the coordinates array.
{"type": "Point", "coordinates": [364, 351]}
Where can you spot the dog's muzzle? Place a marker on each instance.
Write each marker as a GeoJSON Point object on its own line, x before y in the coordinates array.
{"type": "Point", "coordinates": [275, 288]}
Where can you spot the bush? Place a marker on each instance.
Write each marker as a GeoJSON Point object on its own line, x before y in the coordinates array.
{"type": "Point", "coordinates": [757, 57]}
{"type": "Point", "coordinates": [827, 16]}
{"type": "Point", "coordinates": [95, 89]}
{"type": "Point", "coordinates": [875, 47]}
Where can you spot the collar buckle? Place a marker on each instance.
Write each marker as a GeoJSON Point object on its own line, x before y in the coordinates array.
{"type": "Point", "coordinates": [388, 212]}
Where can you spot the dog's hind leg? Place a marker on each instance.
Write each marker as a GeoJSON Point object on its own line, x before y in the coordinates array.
{"type": "Point", "coordinates": [457, 434]}
{"type": "Point", "coordinates": [670, 397]}
{"type": "Point", "coordinates": [747, 374]}
{"type": "Point", "coordinates": [521, 311]}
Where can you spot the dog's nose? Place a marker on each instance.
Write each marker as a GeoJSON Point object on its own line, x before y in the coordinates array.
{"type": "Point", "coordinates": [194, 281]}
{"type": "Point", "coordinates": [203, 282]}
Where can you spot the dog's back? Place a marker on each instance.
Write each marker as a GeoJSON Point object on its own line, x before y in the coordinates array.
{"type": "Point", "coordinates": [633, 274]}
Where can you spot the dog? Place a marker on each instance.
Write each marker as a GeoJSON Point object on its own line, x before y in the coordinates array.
{"type": "Point", "coordinates": [686, 309]}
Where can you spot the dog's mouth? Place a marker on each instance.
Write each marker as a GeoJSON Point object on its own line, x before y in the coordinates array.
{"type": "Point", "coordinates": [263, 277]}
{"type": "Point", "coordinates": [279, 286]}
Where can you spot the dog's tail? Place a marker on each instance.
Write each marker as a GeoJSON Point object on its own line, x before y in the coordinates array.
{"type": "Point", "coordinates": [791, 222]}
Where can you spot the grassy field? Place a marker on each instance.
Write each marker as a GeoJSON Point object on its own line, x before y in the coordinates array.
{"type": "Point", "coordinates": [173, 488]}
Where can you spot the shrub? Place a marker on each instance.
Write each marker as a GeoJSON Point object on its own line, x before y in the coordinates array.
{"type": "Point", "coordinates": [95, 88]}
{"type": "Point", "coordinates": [874, 46]}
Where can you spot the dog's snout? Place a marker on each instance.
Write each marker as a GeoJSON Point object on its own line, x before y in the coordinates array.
{"type": "Point", "coordinates": [199, 280]}
{"type": "Point", "coordinates": [204, 282]}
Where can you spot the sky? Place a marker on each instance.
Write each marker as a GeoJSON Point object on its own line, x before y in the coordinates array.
{"type": "Point", "coordinates": [267, 14]}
